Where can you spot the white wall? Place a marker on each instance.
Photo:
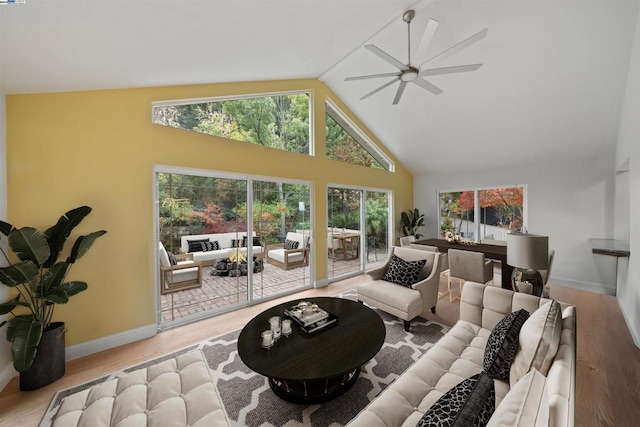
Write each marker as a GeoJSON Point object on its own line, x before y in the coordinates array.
{"type": "Point", "coordinates": [6, 368]}
{"type": "Point", "coordinates": [628, 158]}
{"type": "Point", "coordinates": [569, 200]}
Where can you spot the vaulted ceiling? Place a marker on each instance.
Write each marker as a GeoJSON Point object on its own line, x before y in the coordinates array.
{"type": "Point", "coordinates": [551, 84]}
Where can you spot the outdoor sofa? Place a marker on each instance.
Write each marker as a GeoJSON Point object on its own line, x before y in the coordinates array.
{"type": "Point", "coordinates": [225, 242]}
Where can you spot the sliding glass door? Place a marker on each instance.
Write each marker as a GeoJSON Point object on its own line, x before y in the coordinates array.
{"type": "Point", "coordinates": [358, 230]}
{"type": "Point", "coordinates": [213, 244]}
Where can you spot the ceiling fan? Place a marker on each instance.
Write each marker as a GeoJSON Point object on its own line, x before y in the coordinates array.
{"type": "Point", "coordinates": [410, 73]}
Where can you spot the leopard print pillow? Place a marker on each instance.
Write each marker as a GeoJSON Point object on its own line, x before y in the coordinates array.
{"type": "Point", "coordinates": [503, 344]}
{"type": "Point", "coordinates": [469, 404]}
{"type": "Point", "coordinates": [402, 272]}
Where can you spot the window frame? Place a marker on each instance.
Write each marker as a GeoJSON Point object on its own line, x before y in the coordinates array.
{"type": "Point", "coordinates": [477, 209]}
{"type": "Point", "coordinates": [358, 135]}
{"type": "Point", "coordinates": [204, 100]}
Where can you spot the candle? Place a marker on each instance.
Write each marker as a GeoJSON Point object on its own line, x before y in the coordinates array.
{"type": "Point", "coordinates": [267, 339]}
{"type": "Point", "coordinates": [286, 327]}
{"type": "Point", "coordinates": [275, 326]}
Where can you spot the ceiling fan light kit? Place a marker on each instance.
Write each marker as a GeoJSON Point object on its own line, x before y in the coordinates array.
{"type": "Point", "coordinates": [409, 73]}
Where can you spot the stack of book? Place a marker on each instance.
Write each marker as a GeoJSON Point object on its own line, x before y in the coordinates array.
{"type": "Point", "coordinates": [310, 317]}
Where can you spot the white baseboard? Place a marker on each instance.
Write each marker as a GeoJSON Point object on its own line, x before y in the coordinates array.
{"type": "Point", "coordinates": [321, 283]}
{"type": "Point", "coordinates": [105, 343]}
{"type": "Point", "coordinates": [631, 325]}
{"type": "Point", "coordinates": [5, 376]}
{"type": "Point", "coordinates": [598, 288]}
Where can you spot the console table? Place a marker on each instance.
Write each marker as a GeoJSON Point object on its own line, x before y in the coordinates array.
{"type": "Point", "coordinates": [496, 252]}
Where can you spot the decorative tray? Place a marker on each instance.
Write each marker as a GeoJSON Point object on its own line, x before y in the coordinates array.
{"type": "Point", "coordinates": [310, 317]}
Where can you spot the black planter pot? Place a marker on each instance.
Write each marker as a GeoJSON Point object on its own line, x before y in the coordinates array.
{"type": "Point", "coordinates": [48, 365]}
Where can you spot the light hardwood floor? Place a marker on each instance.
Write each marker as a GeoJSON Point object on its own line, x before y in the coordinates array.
{"type": "Point", "coordinates": [608, 365]}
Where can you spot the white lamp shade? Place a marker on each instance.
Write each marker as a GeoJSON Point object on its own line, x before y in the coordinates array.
{"type": "Point", "coordinates": [528, 251]}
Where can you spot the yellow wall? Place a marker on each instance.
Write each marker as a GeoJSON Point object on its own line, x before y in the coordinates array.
{"type": "Point", "coordinates": [99, 148]}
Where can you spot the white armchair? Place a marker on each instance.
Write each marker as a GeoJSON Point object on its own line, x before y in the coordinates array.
{"type": "Point", "coordinates": [290, 258]}
{"type": "Point", "coordinates": [185, 274]}
{"type": "Point", "coordinates": [404, 302]}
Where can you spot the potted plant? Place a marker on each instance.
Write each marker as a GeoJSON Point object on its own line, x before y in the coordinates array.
{"type": "Point", "coordinates": [411, 221]}
{"type": "Point", "coordinates": [37, 343]}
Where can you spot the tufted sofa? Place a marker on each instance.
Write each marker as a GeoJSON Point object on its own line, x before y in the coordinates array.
{"type": "Point", "coordinates": [176, 392]}
{"type": "Point", "coordinates": [225, 241]}
{"type": "Point", "coordinates": [459, 355]}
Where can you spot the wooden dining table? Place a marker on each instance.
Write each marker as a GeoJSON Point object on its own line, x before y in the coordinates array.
{"type": "Point", "coordinates": [494, 252]}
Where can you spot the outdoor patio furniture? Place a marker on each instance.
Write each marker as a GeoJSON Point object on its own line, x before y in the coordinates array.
{"type": "Point", "coordinates": [185, 274]}
{"type": "Point", "coordinates": [286, 258]}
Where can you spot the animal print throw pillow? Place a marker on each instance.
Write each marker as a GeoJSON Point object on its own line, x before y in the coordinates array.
{"type": "Point", "coordinates": [503, 344]}
{"type": "Point", "coordinates": [469, 404]}
{"type": "Point", "coordinates": [402, 272]}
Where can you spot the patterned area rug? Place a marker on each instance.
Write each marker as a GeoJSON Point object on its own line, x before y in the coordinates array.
{"type": "Point", "coordinates": [249, 401]}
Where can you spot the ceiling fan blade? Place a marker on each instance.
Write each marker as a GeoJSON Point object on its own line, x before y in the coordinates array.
{"type": "Point", "coordinates": [372, 76]}
{"type": "Point", "coordinates": [460, 46]}
{"type": "Point", "coordinates": [450, 70]}
{"type": "Point", "coordinates": [421, 51]}
{"type": "Point", "coordinates": [373, 92]}
{"type": "Point", "coordinates": [428, 86]}
{"type": "Point", "coordinates": [384, 55]}
{"type": "Point", "coordinates": [399, 92]}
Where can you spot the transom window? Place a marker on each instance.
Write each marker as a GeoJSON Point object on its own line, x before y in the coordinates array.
{"type": "Point", "coordinates": [347, 143]}
{"type": "Point", "coordinates": [275, 120]}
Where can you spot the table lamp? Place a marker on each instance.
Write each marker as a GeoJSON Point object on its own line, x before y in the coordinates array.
{"type": "Point", "coordinates": [528, 253]}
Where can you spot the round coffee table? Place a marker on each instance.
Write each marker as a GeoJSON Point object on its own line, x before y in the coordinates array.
{"type": "Point", "coordinates": [313, 368]}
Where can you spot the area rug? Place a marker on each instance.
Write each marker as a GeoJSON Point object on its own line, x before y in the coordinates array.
{"type": "Point", "coordinates": [249, 401]}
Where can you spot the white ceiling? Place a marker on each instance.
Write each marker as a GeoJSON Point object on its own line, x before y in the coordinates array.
{"type": "Point", "coordinates": [552, 82]}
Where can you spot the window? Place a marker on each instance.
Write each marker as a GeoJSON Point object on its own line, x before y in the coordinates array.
{"type": "Point", "coordinates": [483, 214]}
{"type": "Point", "coordinates": [278, 121]}
{"type": "Point", "coordinates": [347, 143]}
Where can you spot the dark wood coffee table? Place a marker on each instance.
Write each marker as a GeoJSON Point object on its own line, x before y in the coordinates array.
{"type": "Point", "coordinates": [313, 368]}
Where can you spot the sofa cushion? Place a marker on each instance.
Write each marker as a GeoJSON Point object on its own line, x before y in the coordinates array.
{"type": "Point", "coordinates": [456, 357]}
{"type": "Point", "coordinates": [175, 392]}
{"type": "Point", "coordinates": [469, 403]}
{"type": "Point", "coordinates": [539, 341]}
{"type": "Point", "coordinates": [526, 404]}
{"type": "Point", "coordinates": [291, 244]}
{"type": "Point", "coordinates": [503, 344]}
{"type": "Point", "coordinates": [196, 245]}
{"type": "Point", "coordinates": [402, 272]}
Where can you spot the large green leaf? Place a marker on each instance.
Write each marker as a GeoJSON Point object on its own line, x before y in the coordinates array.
{"type": "Point", "coordinates": [74, 287]}
{"type": "Point", "coordinates": [59, 233]}
{"type": "Point", "coordinates": [6, 307]}
{"type": "Point", "coordinates": [53, 278]}
{"type": "Point", "coordinates": [29, 244]}
{"type": "Point", "coordinates": [6, 228]}
{"type": "Point", "coordinates": [22, 272]}
{"type": "Point", "coordinates": [56, 296]}
{"type": "Point", "coordinates": [82, 245]}
{"type": "Point", "coordinates": [25, 337]}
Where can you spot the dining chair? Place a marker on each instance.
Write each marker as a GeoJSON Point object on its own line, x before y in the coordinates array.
{"type": "Point", "coordinates": [407, 240]}
{"type": "Point", "coordinates": [468, 266]}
